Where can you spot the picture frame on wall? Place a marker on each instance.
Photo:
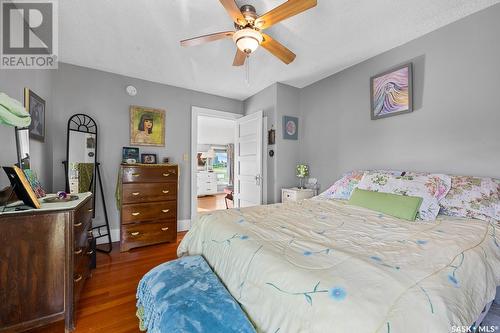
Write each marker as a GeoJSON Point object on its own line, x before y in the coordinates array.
{"type": "Point", "coordinates": [147, 126]}
{"type": "Point", "coordinates": [35, 105]}
{"type": "Point", "coordinates": [149, 159]}
{"type": "Point", "coordinates": [391, 92]}
{"type": "Point", "coordinates": [290, 128]}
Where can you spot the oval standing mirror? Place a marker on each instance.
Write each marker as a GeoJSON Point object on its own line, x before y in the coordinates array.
{"type": "Point", "coordinates": [81, 154]}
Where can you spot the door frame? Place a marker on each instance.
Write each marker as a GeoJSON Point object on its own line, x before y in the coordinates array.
{"type": "Point", "coordinates": [197, 111]}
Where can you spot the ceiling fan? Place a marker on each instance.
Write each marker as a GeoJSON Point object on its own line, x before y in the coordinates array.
{"type": "Point", "coordinates": [248, 35]}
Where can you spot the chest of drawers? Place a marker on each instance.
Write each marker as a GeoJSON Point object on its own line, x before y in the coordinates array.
{"type": "Point", "coordinates": [148, 205]}
{"type": "Point", "coordinates": [206, 182]}
{"type": "Point", "coordinates": [45, 260]}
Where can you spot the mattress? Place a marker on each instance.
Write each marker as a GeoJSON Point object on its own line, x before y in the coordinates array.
{"type": "Point", "coordinates": [325, 266]}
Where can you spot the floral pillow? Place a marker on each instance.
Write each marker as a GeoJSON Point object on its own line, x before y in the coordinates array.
{"type": "Point", "coordinates": [342, 189]}
{"type": "Point", "coordinates": [430, 187]}
{"type": "Point", "coordinates": [474, 197]}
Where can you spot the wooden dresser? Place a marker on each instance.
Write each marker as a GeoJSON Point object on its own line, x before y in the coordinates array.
{"type": "Point", "coordinates": [44, 262]}
{"type": "Point", "coordinates": [148, 204]}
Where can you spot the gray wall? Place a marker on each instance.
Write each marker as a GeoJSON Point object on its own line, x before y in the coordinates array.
{"type": "Point", "coordinates": [102, 96]}
{"type": "Point", "coordinates": [288, 152]}
{"type": "Point", "coordinates": [276, 101]}
{"type": "Point", "coordinates": [455, 125]}
{"type": "Point", "coordinates": [12, 82]}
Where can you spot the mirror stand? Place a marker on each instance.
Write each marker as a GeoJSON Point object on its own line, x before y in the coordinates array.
{"type": "Point", "coordinates": [82, 168]}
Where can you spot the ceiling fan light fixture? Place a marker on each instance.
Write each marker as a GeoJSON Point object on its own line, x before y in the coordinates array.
{"type": "Point", "coordinates": [247, 40]}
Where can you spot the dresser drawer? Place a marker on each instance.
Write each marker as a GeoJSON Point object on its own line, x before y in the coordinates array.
{"type": "Point", "coordinates": [288, 196]}
{"type": "Point", "coordinates": [81, 233]}
{"type": "Point", "coordinates": [134, 192]}
{"type": "Point", "coordinates": [84, 214]}
{"type": "Point", "coordinates": [151, 174]}
{"type": "Point", "coordinates": [81, 273]}
{"type": "Point", "coordinates": [149, 211]}
{"type": "Point", "coordinates": [140, 234]}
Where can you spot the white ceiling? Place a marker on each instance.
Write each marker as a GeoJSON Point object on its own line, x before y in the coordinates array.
{"type": "Point", "coordinates": [141, 38]}
{"type": "Point", "coordinates": [215, 131]}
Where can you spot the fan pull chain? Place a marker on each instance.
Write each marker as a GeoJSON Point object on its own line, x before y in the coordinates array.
{"type": "Point", "coordinates": [247, 70]}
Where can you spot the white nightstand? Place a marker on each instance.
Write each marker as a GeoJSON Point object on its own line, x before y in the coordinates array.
{"type": "Point", "coordinates": [296, 194]}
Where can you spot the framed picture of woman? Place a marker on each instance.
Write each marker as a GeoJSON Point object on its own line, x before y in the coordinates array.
{"type": "Point", "coordinates": [147, 126]}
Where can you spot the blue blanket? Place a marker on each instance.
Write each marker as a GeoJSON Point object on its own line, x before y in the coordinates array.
{"type": "Point", "coordinates": [185, 296]}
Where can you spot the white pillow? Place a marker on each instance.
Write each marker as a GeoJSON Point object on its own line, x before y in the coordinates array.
{"type": "Point", "coordinates": [430, 187]}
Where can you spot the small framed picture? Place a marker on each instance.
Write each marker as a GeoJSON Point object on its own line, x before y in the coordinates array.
{"type": "Point", "coordinates": [271, 136]}
{"type": "Point", "coordinates": [148, 159]}
{"type": "Point", "coordinates": [35, 105]}
{"type": "Point", "coordinates": [130, 155]}
{"type": "Point", "coordinates": [290, 128]}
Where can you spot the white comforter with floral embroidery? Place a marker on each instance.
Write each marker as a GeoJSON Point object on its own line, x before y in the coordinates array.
{"type": "Point", "coordinates": [324, 266]}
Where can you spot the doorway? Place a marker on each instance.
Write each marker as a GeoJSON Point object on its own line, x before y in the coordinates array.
{"type": "Point", "coordinates": [214, 151]}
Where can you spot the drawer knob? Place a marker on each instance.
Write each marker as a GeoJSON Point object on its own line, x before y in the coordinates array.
{"type": "Point", "coordinates": [165, 191]}
{"type": "Point", "coordinates": [79, 251]}
{"type": "Point", "coordinates": [135, 193]}
{"type": "Point", "coordinates": [135, 233]}
{"type": "Point", "coordinates": [166, 174]}
{"type": "Point", "coordinates": [135, 213]}
{"type": "Point", "coordinates": [90, 252]}
{"type": "Point", "coordinates": [165, 210]}
{"type": "Point", "coordinates": [78, 278]}
{"type": "Point", "coordinates": [78, 224]}
{"type": "Point", "coordinates": [164, 229]}
{"type": "Point", "coordinates": [136, 174]}
{"type": "Point", "coordinates": [90, 210]}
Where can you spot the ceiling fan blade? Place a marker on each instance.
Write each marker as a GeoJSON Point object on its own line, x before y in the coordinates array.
{"type": "Point", "coordinates": [234, 11]}
{"type": "Point", "coordinates": [277, 49]}
{"type": "Point", "coordinates": [206, 38]}
{"type": "Point", "coordinates": [239, 58]}
{"type": "Point", "coordinates": [284, 11]}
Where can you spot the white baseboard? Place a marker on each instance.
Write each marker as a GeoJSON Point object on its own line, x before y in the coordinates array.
{"type": "Point", "coordinates": [182, 225]}
{"type": "Point", "coordinates": [115, 236]}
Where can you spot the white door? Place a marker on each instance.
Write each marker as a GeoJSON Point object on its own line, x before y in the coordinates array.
{"type": "Point", "coordinates": [248, 161]}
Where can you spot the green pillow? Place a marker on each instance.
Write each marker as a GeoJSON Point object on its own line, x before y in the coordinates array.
{"type": "Point", "coordinates": [402, 206]}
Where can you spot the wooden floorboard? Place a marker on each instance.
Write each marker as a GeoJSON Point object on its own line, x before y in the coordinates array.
{"type": "Point", "coordinates": [107, 303]}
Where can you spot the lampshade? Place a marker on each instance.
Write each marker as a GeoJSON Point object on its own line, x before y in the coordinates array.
{"type": "Point", "coordinates": [208, 154]}
{"type": "Point", "coordinates": [247, 40]}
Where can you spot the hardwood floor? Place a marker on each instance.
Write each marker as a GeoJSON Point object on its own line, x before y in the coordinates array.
{"type": "Point", "coordinates": [108, 302]}
{"type": "Point", "coordinates": [213, 202]}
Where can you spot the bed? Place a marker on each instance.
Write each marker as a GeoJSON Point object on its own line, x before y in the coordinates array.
{"type": "Point", "coordinates": [326, 266]}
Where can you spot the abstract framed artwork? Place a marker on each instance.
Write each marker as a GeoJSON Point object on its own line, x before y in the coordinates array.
{"type": "Point", "coordinates": [290, 128]}
{"type": "Point", "coordinates": [147, 126]}
{"type": "Point", "coordinates": [35, 105]}
{"type": "Point", "coordinates": [391, 92]}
